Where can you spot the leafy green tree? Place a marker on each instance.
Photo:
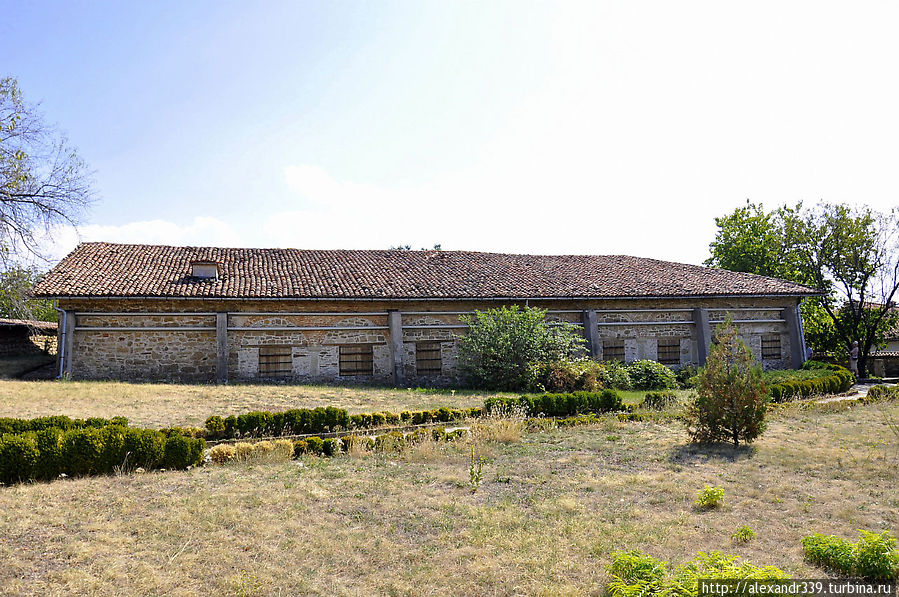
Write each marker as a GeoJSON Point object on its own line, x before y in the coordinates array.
{"type": "Point", "coordinates": [849, 254]}
{"type": "Point", "coordinates": [43, 182]}
{"type": "Point", "coordinates": [501, 344]}
{"type": "Point", "coordinates": [15, 302]}
{"type": "Point", "coordinates": [731, 395]}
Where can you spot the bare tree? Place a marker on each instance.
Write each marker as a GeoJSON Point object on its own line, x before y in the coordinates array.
{"type": "Point", "coordinates": [44, 184]}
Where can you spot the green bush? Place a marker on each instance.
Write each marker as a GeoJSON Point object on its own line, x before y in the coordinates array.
{"type": "Point", "coordinates": [709, 498]}
{"type": "Point", "coordinates": [559, 405]}
{"type": "Point", "coordinates": [300, 447]}
{"type": "Point", "coordinates": [331, 446]}
{"type": "Point", "coordinates": [315, 445]}
{"type": "Point", "coordinates": [16, 426]}
{"type": "Point", "coordinates": [81, 452]}
{"type": "Point", "coordinates": [651, 375]}
{"type": "Point", "coordinates": [614, 375]}
{"type": "Point", "coordinates": [732, 398]}
{"type": "Point", "coordinates": [501, 345]}
{"type": "Point", "coordinates": [637, 574]}
{"type": "Point", "coordinates": [880, 394]}
{"type": "Point", "coordinates": [50, 446]}
{"type": "Point", "coordinates": [19, 456]}
{"type": "Point", "coordinates": [744, 534]}
{"type": "Point", "coordinates": [182, 452]}
{"type": "Point", "coordinates": [815, 381]}
{"type": "Point", "coordinates": [873, 557]}
{"type": "Point", "coordinates": [687, 377]}
{"type": "Point", "coordinates": [145, 448]}
{"type": "Point", "coordinates": [660, 400]}
{"type": "Point", "coordinates": [581, 375]}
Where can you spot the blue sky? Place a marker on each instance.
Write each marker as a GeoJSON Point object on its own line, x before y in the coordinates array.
{"type": "Point", "coordinates": [544, 127]}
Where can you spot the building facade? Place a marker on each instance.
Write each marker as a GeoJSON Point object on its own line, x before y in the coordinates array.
{"type": "Point", "coordinates": [202, 314]}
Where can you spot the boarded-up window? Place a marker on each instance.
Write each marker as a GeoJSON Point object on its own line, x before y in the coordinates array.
{"type": "Point", "coordinates": [427, 358]}
{"type": "Point", "coordinates": [613, 349]}
{"type": "Point", "coordinates": [275, 361]}
{"type": "Point", "coordinates": [356, 359]}
{"type": "Point", "coordinates": [771, 346]}
{"type": "Point", "coordinates": [669, 351]}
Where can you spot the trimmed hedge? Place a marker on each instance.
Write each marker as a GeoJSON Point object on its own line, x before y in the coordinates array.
{"type": "Point", "coordinates": [302, 421]}
{"type": "Point", "coordinates": [881, 393]}
{"type": "Point", "coordinates": [9, 425]}
{"type": "Point", "coordinates": [559, 405]}
{"type": "Point", "coordinates": [840, 380]}
{"type": "Point", "coordinates": [48, 453]}
{"type": "Point", "coordinates": [873, 557]}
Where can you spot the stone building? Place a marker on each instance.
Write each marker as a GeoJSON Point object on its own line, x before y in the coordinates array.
{"type": "Point", "coordinates": [23, 337]}
{"type": "Point", "coordinates": [140, 312]}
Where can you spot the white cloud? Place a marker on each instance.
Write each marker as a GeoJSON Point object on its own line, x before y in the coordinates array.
{"type": "Point", "coordinates": [202, 231]}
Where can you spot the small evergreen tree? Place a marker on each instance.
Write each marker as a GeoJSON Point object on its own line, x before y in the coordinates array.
{"type": "Point", "coordinates": [732, 397]}
{"type": "Point", "coordinates": [501, 344]}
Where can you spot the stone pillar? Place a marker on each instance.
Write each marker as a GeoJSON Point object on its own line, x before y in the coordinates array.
{"type": "Point", "coordinates": [69, 337]}
{"type": "Point", "coordinates": [591, 333]}
{"type": "Point", "coordinates": [397, 355]}
{"type": "Point", "coordinates": [797, 353]}
{"type": "Point", "coordinates": [221, 347]}
{"type": "Point", "coordinates": [703, 334]}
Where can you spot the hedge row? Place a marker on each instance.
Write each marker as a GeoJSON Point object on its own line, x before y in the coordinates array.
{"type": "Point", "coordinates": [841, 380]}
{"type": "Point", "coordinates": [302, 421]}
{"type": "Point", "coordinates": [881, 393]}
{"type": "Point", "coordinates": [8, 425]}
{"type": "Point", "coordinates": [559, 405]}
{"type": "Point", "coordinates": [873, 557]}
{"type": "Point", "coordinates": [46, 454]}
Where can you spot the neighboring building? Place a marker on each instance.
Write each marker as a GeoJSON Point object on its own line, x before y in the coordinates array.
{"type": "Point", "coordinates": [23, 337]}
{"type": "Point", "coordinates": [140, 312]}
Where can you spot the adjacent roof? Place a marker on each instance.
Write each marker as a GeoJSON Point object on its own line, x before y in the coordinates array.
{"type": "Point", "coordinates": [117, 270]}
{"type": "Point", "coordinates": [28, 324]}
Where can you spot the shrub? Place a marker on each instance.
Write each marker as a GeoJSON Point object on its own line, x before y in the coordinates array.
{"type": "Point", "coordinates": [145, 447]}
{"type": "Point", "coordinates": [501, 344]}
{"type": "Point", "coordinates": [19, 458]}
{"type": "Point", "coordinates": [687, 377]}
{"type": "Point", "coordinates": [651, 375]}
{"type": "Point", "coordinates": [880, 394]}
{"type": "Point", "coordinates": [49, 445]}
{"type": "Point", "coordinates": [215, 427]}
{"type": "Point", "coordinates": [873, 557]}
{"type": "Point", "coordinates": [331, 446]}
{"type": "Point", "coordinates": [744, 534]}
{"type": "Point", "coordinates": [300, 447]}
{"type": "Point", "coordinates": [615, 375]}
{"type": "Point", "coordinates": [222, 453]}
{"type": "Point", "coordinates": [243, 451]}
{"type": "Point", "coordinates": [558, 405]}
{"type": "Point", "coordinates": [709, 498]}
{"type": "Point", "coordinates": [113, 456]}
{"type": "Point", "coordinates": [283, 449]}
{"type": "Point", "coordinates": [17, 426]}
{"type": "Point", "coordinates": [634, 573]}
{"type": "Point", "coordinates": [814, 381]}
{"type": "Point", "coordinates": [182, 452]}
{"type": "Point", "coordinates": [732, 397]}
{"type": "Point", "coordinates": [580, 375]}
{"type": "Point", "coordinates": [390, 442]}
{"type": "Point", "coordinates": [315, 444]}
{"type": "Point", "coordinates": [660, 400]}
{"type": "Point", "coordinates": [81, 452]}
{"type": "Point", "coordinates": [262, 450]}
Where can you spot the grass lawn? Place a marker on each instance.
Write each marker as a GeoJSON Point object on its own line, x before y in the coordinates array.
{"type": "Point", "coordinates": [551, 509]}
{"type": "Point", "coordinates": [166, 405]}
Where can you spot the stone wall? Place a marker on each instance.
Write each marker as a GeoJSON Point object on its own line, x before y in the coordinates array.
{"type": "Point", "coordinates": [312, 333]}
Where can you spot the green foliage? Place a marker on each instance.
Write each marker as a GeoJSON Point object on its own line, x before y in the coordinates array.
{"type": "Point", "coordinates": [881, 394]}
{"type": "Point", "coordinates": [660, 400]}
{"type": "Point", "coordinates": [19, 456]}
{"type": "Point", "coordinates": [145, 448]}
{"type": "Point", "coordinates": [182, 452]}
{"type": "Point", "coordinates": [848, 253]}
{"type": "Point", "coordinates": [331, 446]}
{"type": "Point", "coordinates": [732, 397]}
{"type": "Point", "coordinates": [501, 345]}
{"type": "Point", "coordinates": [475, 470]}
{"type": "Point", "coordinates": [635, 574]}
{"type": "Point", "coordinates": [8, 425]}
{"type": "Point", "coordinates": [566, 376]}
{"type": "Point", "coordinates": [559, 405]}
{"type": "Point", "coordinates": [15, 285]}
{"type": "Point", "coordinates": [687, 377]}
{"type": "Point", "coordinates": [744, 534]}
{"type": "Point", "coordinates": [709, 497]}
{"type": "Point", "coordinates": [873, 557]}
{"type": "Point", "coordinates": [315, 445]}
{"type": "Point", "coordinates": [614, 374]}
{"type": "Point", "coordinates": [789, 385]}
{"type": "Point", "coordinates": [651, 375]}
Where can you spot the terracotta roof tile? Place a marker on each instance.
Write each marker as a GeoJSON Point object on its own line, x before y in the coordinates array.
{"type": "Point", "coordinates": [105, 270]}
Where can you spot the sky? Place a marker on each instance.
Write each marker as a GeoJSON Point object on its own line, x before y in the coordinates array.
{"type": "Point", "coordinates": [520, 127]}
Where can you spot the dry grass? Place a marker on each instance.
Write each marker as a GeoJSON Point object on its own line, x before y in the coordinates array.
{"type": "Point", "coordinates": [165, 405]}
{"type": "Point", "coordinates": [550, 510]}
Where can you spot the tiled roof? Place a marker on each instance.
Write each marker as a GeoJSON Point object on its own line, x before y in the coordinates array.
{"type": "Point", "coordinates": [115, 270]}
{"type": "Point", "coordinates": [33, 324]}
